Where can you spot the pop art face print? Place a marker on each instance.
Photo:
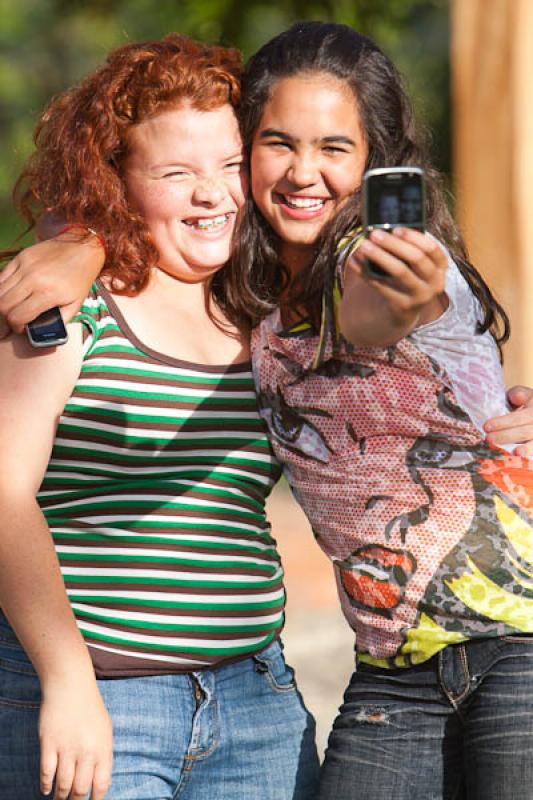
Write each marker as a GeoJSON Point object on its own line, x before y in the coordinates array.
{"type": "Point", "coordinates": [429, 528]}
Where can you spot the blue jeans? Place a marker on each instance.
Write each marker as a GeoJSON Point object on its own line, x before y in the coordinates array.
{"type": "Point", "coordinates": [248, 735]}
{"type": "Point", "coordinates": [458, 726]}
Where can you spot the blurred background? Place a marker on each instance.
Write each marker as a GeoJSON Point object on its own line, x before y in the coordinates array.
{"type": "Point", "coordinates": [469, 67]}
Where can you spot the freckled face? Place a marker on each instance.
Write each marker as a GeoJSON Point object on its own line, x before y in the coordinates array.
{"type": "Point", "coordinates": [183, 173]}
{"type": "Point", "coordinates": [308, 157]}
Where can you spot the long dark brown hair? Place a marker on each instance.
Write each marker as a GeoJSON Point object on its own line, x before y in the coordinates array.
{"type": "Point", "coordinates": [393, 139]}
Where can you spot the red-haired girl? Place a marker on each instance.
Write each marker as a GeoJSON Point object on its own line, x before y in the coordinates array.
{"type": "Point", "coordinates": [142, 591]}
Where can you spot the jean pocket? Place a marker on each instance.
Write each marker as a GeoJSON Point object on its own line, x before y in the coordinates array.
{"type": "Point", "coordinates": [518, 638]}
{"type": "Point", "coordinates": [277, 672]}
{"type": "Point", "coordinates": [19, 682]}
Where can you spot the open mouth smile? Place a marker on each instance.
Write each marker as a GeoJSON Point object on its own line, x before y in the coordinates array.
{"type": "Point", "coordinates": [302, 207]}
{"type": "Point", "coordinates": [209, 224]}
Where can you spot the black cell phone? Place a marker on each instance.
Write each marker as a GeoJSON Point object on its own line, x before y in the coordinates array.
{"type": "Point", "coordinates": [392, 197]}
{"type": "Point", "coordinates": [48, 329]}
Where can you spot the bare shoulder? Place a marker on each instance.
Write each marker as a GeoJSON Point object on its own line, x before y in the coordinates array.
{"type": "Point", "coordinates": [52, 370]}
{"type": "Point", "coordinates": [36, 385]}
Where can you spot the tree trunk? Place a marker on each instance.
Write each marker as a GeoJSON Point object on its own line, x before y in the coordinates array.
{"type": "Point", "coordinates": [492, 80]}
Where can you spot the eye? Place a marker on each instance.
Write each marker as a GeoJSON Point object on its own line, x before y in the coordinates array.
{"type": "Point", "coordinates": [333, 150]}
{"type": "Point", "coordinates": [175, 173]}
{"type": "Point", "coordinates": [296, 433]}
{"type": "Point", "coordinates": [233, 166]}
{"type": "Point", "coordinates": [278, 144]}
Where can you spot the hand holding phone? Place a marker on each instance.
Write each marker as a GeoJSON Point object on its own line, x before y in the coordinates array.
{"type": "Point", "coordinates": [48, 329]}
{"type": "Point", "coordinates": [392, 197]}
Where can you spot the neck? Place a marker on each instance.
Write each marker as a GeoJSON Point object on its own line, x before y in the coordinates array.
{"type": "Point", "coordinates": [184, 295]}
{"type": "Point", "coordinates": [296, 258]}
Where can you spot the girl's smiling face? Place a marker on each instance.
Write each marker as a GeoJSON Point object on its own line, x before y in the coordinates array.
{"type": "Point", "coordinates": [308, 157]}
{"type": "Point", "coordinates": [183, 173]}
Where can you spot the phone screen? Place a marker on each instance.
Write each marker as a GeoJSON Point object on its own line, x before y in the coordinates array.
{"type": "Point", "coordinates": [395, 199]}
{"type": "Point", "coordinates": [47, 329]}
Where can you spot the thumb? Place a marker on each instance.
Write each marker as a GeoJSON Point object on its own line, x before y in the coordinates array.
{"type": "Point", "coordinates": [5, 330]}
{"type": "Point", "coordinates": [69, 310]}
{"type": "Point", "coordinates": [520, 395]}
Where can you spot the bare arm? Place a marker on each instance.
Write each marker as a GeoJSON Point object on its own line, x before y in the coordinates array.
{"type": "Point", "coordinates": [380, 312]}
{"type": "Point", "coordinates": [74, 727]}
{"type": "Point", "coordinates": [56, 272]}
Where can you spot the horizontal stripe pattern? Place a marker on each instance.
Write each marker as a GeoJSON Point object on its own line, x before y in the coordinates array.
{"type": "Point", "coordinates": [155, 495]}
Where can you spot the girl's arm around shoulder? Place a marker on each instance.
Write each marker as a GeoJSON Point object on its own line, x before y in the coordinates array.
{"type": "Point", "coordinates": [378, 313]}
{"type": "Point", "coordinates": [74, 727]}
{"type": "Point", "coordinates": [56, 272]}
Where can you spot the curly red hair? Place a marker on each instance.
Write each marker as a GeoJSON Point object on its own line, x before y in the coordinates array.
{"type": "Point", "coordinates": [82, 138]}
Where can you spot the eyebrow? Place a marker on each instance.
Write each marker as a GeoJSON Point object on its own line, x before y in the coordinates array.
{"type": "Point", "coordinates": [336, 138]}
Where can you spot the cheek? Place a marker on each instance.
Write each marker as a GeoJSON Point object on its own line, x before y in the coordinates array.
{"type": "Point", "coordinates": [346, 178]}
{"type": "Point", "coordinates": [159, 202]}
{"type": "Point", "coordinates": [346, 182]}
{"type": "Point", "coordinates": [238, 189]}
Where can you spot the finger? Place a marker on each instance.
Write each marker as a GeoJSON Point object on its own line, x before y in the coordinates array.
{"type": "Point", "coordinates": [524, 450]}
{"type": "Point", "coordinates": [69, 310]}
{"type": "Point", "coordinates": [9, 270]}
{"type": "Point", "coordinates": [47, 768]}
{"type": "Point", "coordinates": [520, 417]}
{"type": "Point", "coordinates": [5, 330]}
{"type": "Point", "coordinates": [423, 254]}
{"type": "Point", "coordinates": [518, 436]}
{"type": "Point", "coordinates": [520, 396]}
{"type": "Point", "coordinates": [26, 312]}
{"type": "Point", "coordinates": [102, 779]}
{"type": "Point", "coordinates": [396, 297]}
{"type": "Point", "coordinates": [405, 279]}
{"type": "Point", "coordinates": [10, 282]}
{"type": "Point", "coordinates": [83, 778]}
{"type": "Point", "coordinates": [433, 250]}
{"type": "Point", "coordinates": [64, 777]}
{"type": "Point", "coordinates": [422, 240]}
{"type": "Point", "coordinates": [12, 296]}
{"type": "Point", "coordinates": [513, 434]}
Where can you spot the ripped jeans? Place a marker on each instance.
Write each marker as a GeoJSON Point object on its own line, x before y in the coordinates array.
{"type": "Point", "coordinates": [457, 727]}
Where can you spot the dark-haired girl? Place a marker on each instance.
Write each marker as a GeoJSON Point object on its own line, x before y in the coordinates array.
{"type": "Point", "coordinates": [375, 394]}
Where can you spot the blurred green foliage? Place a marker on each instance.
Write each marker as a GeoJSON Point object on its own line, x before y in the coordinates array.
{"type": "Point", "coordinates": [47, 45]}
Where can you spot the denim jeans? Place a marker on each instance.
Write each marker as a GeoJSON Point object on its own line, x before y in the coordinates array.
{"type": "Point", "coordinates": [459, 726]}
{"type": "Point", "coordinates": [248, 735]}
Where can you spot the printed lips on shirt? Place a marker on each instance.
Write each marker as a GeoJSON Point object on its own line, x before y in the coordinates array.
{"type": "Point", "coordinates": [375, 577]}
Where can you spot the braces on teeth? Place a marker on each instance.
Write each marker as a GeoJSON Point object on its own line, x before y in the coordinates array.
{"type": "Point", "coordinates": [207, 224]}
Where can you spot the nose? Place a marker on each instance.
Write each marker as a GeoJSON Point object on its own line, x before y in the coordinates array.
{"type": "Point", "coordinates": [303, 169]}
{"type": "Point", "coordinates": [209, 191]}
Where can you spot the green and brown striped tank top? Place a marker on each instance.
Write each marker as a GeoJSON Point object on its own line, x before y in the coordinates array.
{"type": "Point", "coordinates": [154, 495]}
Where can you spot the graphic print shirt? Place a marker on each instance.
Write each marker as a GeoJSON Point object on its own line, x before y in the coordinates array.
{"type": "Point", "coordinates": [429, 528]}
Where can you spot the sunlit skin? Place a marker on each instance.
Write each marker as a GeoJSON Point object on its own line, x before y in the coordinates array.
{"type": "Point", "coordinates": [25, 281]}
{"type": "Point", "coordinates": [308, 157]}
{"type": "Point", "coordinates": [309, 154]}
{"type": "Point", "coordinates": [183, 173]}
{"type": "Point", "coordinates": [188, 195]}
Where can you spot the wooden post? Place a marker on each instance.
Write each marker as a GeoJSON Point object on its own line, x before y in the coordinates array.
{"type": "Point", "coordinates": [492, 82]}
